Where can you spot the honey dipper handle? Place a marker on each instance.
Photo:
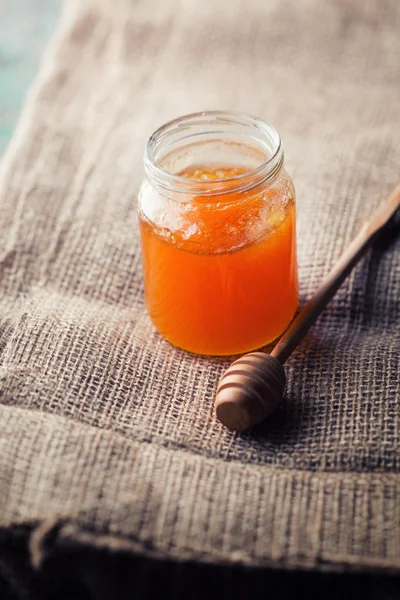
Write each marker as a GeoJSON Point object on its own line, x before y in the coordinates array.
{"type": "Point", "coordinates": [335, 278]}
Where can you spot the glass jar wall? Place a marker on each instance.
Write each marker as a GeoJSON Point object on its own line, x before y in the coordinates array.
{"type": "Point", "coordinates": [217, 223]}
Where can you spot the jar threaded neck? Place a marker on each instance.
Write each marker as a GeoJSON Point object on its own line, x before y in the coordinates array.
{"type": "Point", "coordinates": [180, 140]}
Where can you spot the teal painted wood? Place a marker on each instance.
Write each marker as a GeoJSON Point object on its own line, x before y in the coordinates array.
{"type": "Point", "coordinates": [25, 29]}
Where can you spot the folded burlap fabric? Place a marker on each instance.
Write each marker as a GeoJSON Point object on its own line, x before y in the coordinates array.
{"type": "Point", "coordinates": [108, 436]}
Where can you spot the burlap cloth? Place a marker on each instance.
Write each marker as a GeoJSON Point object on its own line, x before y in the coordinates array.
{"type": "Point", "coordinates": [107, 433]}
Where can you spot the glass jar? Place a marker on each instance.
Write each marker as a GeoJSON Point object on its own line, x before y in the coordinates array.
{"type": "Point", "coordinates": [217, 224]}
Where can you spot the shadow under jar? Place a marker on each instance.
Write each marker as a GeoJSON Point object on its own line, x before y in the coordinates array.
{"type": "Point", "coordinates": [217, 223]}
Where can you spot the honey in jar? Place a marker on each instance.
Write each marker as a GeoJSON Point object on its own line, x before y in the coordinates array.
{"type": "Point", "coordinates": [217, 223]}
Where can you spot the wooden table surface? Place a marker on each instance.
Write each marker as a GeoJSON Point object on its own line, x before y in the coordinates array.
{"type": "Point", "coordinates": [25, 29]}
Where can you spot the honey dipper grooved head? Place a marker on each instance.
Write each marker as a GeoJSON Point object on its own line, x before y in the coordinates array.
{"type": "Point", "coordinates": [249, 391]}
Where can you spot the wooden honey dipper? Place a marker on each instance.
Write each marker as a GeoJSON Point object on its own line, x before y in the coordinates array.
{"type": "Point", "coordinates": [253, 385]}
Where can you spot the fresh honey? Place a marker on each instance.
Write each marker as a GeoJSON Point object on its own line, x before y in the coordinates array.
{"type": "Point", "coordinates": [222, 279]}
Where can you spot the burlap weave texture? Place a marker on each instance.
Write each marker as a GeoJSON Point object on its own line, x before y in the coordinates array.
{"type": "Point", "coordinates": [107, 430]}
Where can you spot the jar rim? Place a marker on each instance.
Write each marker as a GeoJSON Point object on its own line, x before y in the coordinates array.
{"type": "Point", "coordinates": [268, 169]}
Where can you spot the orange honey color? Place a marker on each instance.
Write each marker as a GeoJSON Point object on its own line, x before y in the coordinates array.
{"type": "Point", "coordinates": [225, 282]}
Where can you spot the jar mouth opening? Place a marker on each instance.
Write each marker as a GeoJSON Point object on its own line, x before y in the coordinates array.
{"type": "Point", "coordinates": [219, 132]}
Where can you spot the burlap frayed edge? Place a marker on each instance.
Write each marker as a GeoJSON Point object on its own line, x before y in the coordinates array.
{"type": "Point", "coordinates": [193, 508]}
{"type": "Point", "coordinates": [52, 538]}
